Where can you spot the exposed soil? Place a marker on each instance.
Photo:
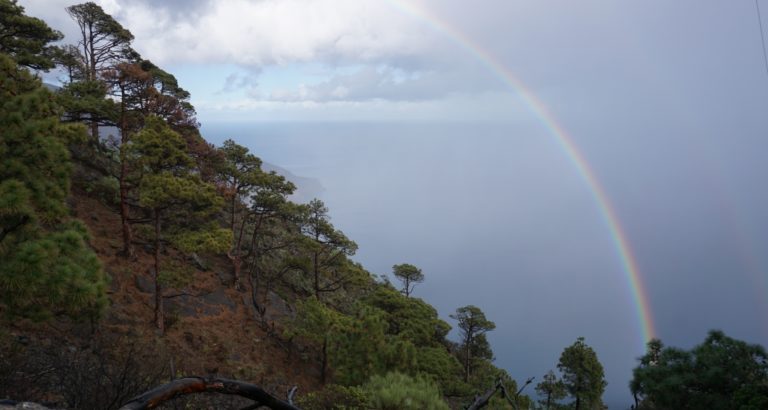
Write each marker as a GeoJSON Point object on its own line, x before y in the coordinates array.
{"type": "Point", "coordinates": [213, 331]}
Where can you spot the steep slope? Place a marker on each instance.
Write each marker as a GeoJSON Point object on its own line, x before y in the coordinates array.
{"type": "Point", "coordinates": [212, 329]}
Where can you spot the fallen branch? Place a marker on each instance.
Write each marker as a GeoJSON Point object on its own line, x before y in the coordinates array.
{"type": "Point", "coordinates": [194, 385]}
{"type": "Point", "coordinates": [482, 400]}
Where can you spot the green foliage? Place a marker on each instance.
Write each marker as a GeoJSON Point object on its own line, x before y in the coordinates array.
{"type": "Point", "coordinates": [396, 391]}
{"type": "Point", "coordinates": [720, 373]}
{"type": "Point", "coordinates": [33, 145]}
{"type": "Point", "coordinates": [365, 349]}
{"type": "Point", "coordinates": [335, 397]}
{"type": "Point", "coordinates": [411, 319]}
{"type": "Point", "coordinates": [437, 364]}
{"type": "Point", "coordinates": [551, 389]}
{"type": "Point", "coordinates": [314, 321]}
{"type": "Point", "coordinates": [181, 206]}
{"type": "Point", "coordinates": [415, 324]}
{"type": "Point", "coordinates": [176, 274]}
{"type": "Point", "coordinates": [474, 348]}
{"type": "Point", "coordinates": [105, 188]}
{"type": "Point", "coordinates": [26, 39]}
{"type": "Point", "coordinates": [170, 186]}
{"type": "Point", "coordinates": [326, 250]}
{"type": "Point", "coordinates": [47, 266]}
{"type": "Point", "coordinates": [409, 275]}
{"type": "Point", "coordinates": [240, 170]}
{"type": "Point", "coordinates": [207, 237]}
{"type": "Point", "coordinates": [57, 273]}
{"type": "Point", "coordinates": [86, 100]}
{"type": "Point", "coordinates": [583, 375]}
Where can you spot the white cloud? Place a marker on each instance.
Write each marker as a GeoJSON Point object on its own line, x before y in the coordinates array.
{"type": "Point", "coordinates": [498, 106]}
{"type": "Point", "coordinates": [294, 54]}
{"type": "Point", "coordinates": [265, 32]}
{"type": "Point", "coordinates": [384, 83]}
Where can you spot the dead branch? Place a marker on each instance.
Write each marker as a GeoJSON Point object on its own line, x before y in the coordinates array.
{"type": "Point", "coordinates": [482, 400]}
{"type": "Point", "coordinates": [195, 384]}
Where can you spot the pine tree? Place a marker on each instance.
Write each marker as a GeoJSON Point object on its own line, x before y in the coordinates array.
{"type": "Point", "coordinates": [551, 389]}
{"type": "Point", "coordinates": [474, 345]}
{"type": "Point", "coordinates": [328, 250]}
{"type": "Point", "coordinates": [179, 204]}
{"type": "Point", "coordinates": [26, 39]}
{"type": "Point", "coordinates": [46, 264]}
{"type": "Point", "coordinates": [239, 174]}
{"type": "Point", "coordinates": [409, 275]}
{"type": "Point", "coordinates": [582, 375]}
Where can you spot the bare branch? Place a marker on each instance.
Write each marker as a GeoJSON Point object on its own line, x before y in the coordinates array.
{"type": "Point", "coordinates": [195, 384]}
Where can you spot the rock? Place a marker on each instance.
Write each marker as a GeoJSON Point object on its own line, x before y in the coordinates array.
{"type": "Point", "coordinates": [249, 306]}
{"type": "Point", "coordinates": [145, 284]}
{"type": "Point", "coordinates": [277, 308]}
{"type": "Point", "coordinates": [182, 305]}
{"type": "Point", "coordinates": [198, 262]}
{"type": "Point", "coordinates": [114, 284]}
{"type": "Point", "coordinates": [219, 297]}
{"type": "Point", "coordinates": [208, 310]}
{"type": "Point", "coordinates": [226, 277]}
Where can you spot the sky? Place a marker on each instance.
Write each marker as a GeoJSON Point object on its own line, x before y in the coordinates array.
{"type": "Point", "coordinates": [437, 129]}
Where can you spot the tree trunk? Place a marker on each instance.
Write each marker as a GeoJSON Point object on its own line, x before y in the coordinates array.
{"type": "Point", "coordinates": [324, 362]}
{"type": "Point", "coordinates": [95, 131]}
{"type": "Point", "coordinates": [549, 400]}
{"type": "Point", "coordinates": [237, 264]}
{"type": "Point", "coordinates": [124, 210]}
{"type": "Point", "coordinates": [93, 77]}
{"type": "Point", "coordinates": [159, 314]}
{"type": "Point", "coordinates": [236, 259]}
{"type": "Point", "coordinates": [316, 271]}
{"type": "Point", "coordinates": [466, 358]}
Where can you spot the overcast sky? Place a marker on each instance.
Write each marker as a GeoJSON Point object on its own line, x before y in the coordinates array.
{"type": "Point", "coordinates": [433, 159]}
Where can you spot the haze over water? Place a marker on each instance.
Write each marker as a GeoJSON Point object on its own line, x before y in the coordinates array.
{"type": "Point", "coordinates": [497, 216]}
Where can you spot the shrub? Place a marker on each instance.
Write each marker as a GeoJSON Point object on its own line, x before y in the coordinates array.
{"type": "Point", "coordinates": [396, 391]}
{"type": "Point", "coordinates": [335, 397]}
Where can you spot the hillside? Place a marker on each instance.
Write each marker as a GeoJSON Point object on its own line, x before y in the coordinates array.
{"type": "Point", "coordinates": [213, 331]}
{"type": "Point", "coordinates": [133, 253]}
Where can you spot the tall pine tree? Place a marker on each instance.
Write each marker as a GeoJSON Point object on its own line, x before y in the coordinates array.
{"type": "Point", "coordinates": [180, 206]}
{"type": "Point", "coordinates": [46, 264]}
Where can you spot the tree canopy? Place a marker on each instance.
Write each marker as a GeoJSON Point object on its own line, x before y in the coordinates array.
{"type": "Point", "coordinates": [473, 324]}
{"type": "Point", "coordinates": [48, 267]}
{"type": "Point", "coordinates": [720, 373]}
{"type": "Point", "coordinates": [409, 275]}
{"type": "Point", "coordinates": [26, 39]}
{"type": "Point", "coordinates": [583, 375]}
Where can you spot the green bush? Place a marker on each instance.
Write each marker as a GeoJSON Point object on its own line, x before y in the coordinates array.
{"type": "Point", "coordinates": [335, 397]}
{"type": "Point", "coordinates": [396, 391]}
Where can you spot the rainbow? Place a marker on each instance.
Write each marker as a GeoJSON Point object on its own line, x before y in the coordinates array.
{"type": "Point", "coordinates": [545, 116]}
